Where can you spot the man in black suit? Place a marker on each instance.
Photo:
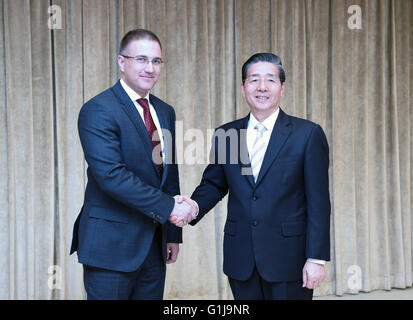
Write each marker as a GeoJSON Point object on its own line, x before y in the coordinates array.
{"type": "Point", "coordinates": [277, 232]}
{"type": "Point", "coordinates": [123, 235]}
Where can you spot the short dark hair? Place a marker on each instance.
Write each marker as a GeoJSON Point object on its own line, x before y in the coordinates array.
{"type": "Point", "coordinates": [265, 57]}
{"type": "Point", "coordinates": [137, 34]}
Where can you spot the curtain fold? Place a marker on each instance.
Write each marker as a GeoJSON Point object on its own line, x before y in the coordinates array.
{"type": "Point", "coordinates": [70, 166]}
{"type": "Point", "coordinates": [356, 83]}
{"type": "Point", "coordinates": [29, 179]}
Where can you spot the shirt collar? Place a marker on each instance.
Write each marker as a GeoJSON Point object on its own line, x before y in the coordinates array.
{"type": "Point", "coordinates": [131, 93]}
{"type": "Point", "coordinates": [269, 122]}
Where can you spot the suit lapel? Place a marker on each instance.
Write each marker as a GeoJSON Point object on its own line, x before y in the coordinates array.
{"type": "Point", "coordinates": [134, 116]}
{"type": "Point", "coordinates": [280, 133]}
{"type": "Point", "coordinates": [165, 125]}
{"type": "Point", "coordinates": [244, 160]}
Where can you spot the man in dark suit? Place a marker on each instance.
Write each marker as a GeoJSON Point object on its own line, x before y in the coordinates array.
{"type": "Point", "coordinates": [123, 235]}
{"type": "Point", "coordinates": [277, 235]}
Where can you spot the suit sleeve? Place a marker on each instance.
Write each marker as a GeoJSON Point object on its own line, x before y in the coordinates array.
{"type": "Point", "coordinates": [172, 183]}
{"type": "Point", "coordinates": [213, 186]}
{"type": "Point", "coordinates": [316, 181]}
{"type": "Point", "coordinates": [99, 136]}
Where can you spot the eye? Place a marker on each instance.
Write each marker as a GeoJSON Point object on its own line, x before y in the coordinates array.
{"type": "Point", "coordinates": [140, 59]}
{"type": "Point", "coordinates": [157, 62]}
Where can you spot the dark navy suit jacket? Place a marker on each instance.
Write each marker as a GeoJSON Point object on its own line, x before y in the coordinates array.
{"type": "Point", "coordinates": [282, 219]}
{"type": "Point", "coordinates": [125, 194]}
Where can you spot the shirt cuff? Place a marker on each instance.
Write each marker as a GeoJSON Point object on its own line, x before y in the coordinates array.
{"type": "Point", "coordinates": [322, 262]}
{"type": "Point", "coordinates": [197, 208]}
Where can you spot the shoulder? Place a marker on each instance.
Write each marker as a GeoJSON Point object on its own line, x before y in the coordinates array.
{"type": "Point", "coordinates": [101, 101]}
{"type": "Point", "coordinates": [301, 123]}
{"type": "Point", "coordinates": [161, 104]}
{"type": "Point", "coordinates": [235, 124]}
{"type": "Point", "coordinates": [301, 126]}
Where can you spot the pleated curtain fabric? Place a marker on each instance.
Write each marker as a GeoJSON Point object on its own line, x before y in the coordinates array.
{"type": "Point", "coordinates": [357, 83]}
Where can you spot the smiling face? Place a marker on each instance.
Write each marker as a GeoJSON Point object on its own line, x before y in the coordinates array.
{"type": "Point", "coordinates": [140, 77]}
{"type": "Point", "coordinates": [262, 89]}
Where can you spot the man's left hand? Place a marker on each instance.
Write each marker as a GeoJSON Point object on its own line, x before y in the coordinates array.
{"type": "Point", "coordinates": [172, 250]}
{"type": "Point", "coordinates": [313, 275]}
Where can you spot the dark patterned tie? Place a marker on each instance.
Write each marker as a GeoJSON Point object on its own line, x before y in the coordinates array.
{"type": "Point", "coordinates": [153, 133]}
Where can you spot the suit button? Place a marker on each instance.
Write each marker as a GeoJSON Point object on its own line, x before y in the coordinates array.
{"type": "Point", "coordinates": [255, 223]}
{"type": "Point", "coordinates": [254, 198]}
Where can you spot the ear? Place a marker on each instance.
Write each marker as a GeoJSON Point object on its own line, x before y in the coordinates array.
{"type": "Point", "coordinates": [242, 89]}
{"type": "Point", "coordinates": [282, 88]}
{"type": "Point", "coordinates": [121, 63]}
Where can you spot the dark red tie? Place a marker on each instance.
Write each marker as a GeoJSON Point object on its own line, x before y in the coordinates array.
{"type": "Point", "coordinates": [153, 133]}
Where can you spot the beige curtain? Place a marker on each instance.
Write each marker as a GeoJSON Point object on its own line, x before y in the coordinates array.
{"type": "Point", "coordinates": [356, 83]}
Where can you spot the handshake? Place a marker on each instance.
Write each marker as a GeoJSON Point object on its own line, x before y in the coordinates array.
{"type": "Point", "coordinates": [184, 211]}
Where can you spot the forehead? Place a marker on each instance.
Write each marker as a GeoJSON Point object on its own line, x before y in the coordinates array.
{"type": "Point", "coordinates": [262, 68]}
{"type": "Point", "coordinates": [144, 47]}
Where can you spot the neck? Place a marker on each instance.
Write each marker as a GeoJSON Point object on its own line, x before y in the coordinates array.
{"type": "Point", "coordinates": [141, 93]}
{"type": "Point", "coordinates": [262, 115]}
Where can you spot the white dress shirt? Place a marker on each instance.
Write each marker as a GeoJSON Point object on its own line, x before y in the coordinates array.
{"type": "Point", "coordinates": [252, 133]}
{"type": "Point", "coordinates": [135, 96]}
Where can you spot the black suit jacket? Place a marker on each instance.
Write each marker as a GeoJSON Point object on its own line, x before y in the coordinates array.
{"type": "Point", "coordinates": [124, 194]}
{"type": "Point", "coordinates": [282, 219]}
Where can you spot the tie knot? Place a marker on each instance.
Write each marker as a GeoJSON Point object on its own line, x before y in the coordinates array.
{"type": "Point", "coordinates": [260, 128]}
{"type": "Point", "coordinates": [143, 102]}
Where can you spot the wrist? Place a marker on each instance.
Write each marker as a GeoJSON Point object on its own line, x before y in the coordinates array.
{"type": "Point", "coordinates": [318, 261]}
{"type": "Point", "coordinates": [197, 208]}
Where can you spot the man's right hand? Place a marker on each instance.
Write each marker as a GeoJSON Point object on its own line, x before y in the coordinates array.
{"type": "Point", "coordinates": [182, 213]}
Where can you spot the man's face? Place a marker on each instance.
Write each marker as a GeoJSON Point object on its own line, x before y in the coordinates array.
{"type": "Point", "coordinates": [262, 89]}
{"type": "Point", "coordinates": [141, 77]}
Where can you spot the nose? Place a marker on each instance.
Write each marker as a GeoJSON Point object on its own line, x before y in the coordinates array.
{"type": "Point", "coordinates": [262, 85]}
{"type": "Point", "coordinates": [149, 67]}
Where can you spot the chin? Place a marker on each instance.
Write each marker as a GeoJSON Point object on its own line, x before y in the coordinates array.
{"type": "Point", "coordinates": [263, 108]}
{"type": "Point", "coordinates": [148, 84]}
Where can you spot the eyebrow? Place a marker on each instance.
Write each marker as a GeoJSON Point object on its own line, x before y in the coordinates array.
{"type": "Point", "coordinates": [143, 56]}
{"type": "Point", "coordinates": [257, 74]}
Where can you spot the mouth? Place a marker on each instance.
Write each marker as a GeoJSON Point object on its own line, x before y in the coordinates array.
{"type": "Point", "coordinates": [262, 98]}
{"type": "Point", "coordinates": [147, 79]}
